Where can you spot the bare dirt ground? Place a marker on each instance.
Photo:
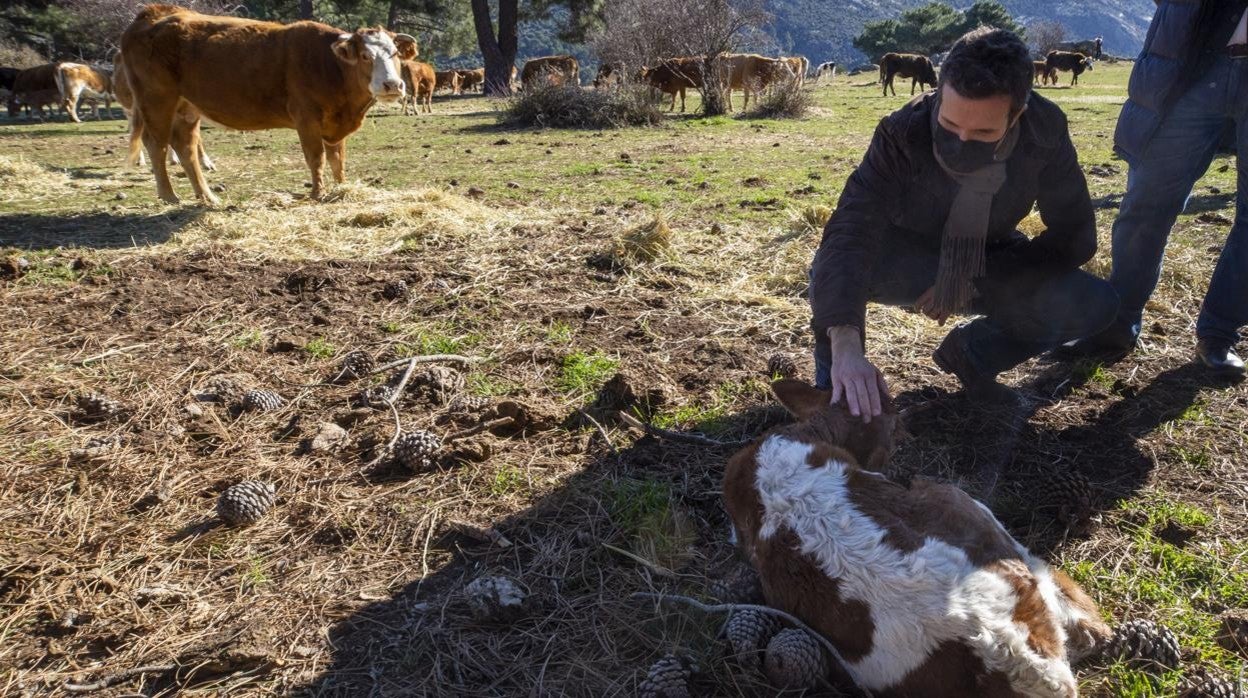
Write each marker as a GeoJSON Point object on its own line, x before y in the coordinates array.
{"type": "Point", "coordinates": [117, 579]}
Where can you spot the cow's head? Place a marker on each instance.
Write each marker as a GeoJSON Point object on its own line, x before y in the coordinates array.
{"type": "Point", "coordinates": [376, 54]}
{"type": "Point", "coordinates": [1087, 63]}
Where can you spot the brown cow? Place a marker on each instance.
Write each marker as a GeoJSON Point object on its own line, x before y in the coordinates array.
{"type": "Point", "coordinates": [673, 76]}
{"type": "Point", "coordinates": [75, 81]}
{"type": "Point", "coordinates": [551, 70]}
{"type": "Point", "coordinates": [908, 65]}
{"type": "Point", "coordinates": [752, 74]}
{"type": "Point", "coordinates": [420, 80]}
{"type": "Point", "coordinates": [251, 75]}
{"type": "Point", "coordinates": [34, 88]}
{"type": "Point", "coordinates": [7, 76]}
{"type": "Point", "coordinates": [1076, 63]}
{"type": "Point", "coordinates": [1043, 75]}
{"type": "Point", "coordinates": [800, 65]}
{"type": "Point", "coordinates": [125, 97]}
{"type": "Point", "coordinates": [471, 79]}
{"type": "Point", "coordinates": [446, 80]}
{"type": "Point", "coordinates": [609, 75]}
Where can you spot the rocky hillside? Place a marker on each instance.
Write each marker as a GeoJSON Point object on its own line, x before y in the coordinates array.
{"type": "Point", "coordinates": [824, 30]}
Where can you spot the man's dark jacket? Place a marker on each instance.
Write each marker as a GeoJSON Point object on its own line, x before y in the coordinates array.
{"type": "Point", "coordinates": [1181, 41]}
{"type": "Point", "coordinates": [899, 191]}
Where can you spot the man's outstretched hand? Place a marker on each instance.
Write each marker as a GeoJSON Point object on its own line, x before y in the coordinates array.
{"type": "Point", "coordinates": [855, 378]}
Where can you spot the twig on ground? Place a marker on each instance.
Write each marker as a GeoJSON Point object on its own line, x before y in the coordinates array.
{"type": "Point", "coordinates": [601, 431]}
{"type": "Point", "coordinates": [682, 437]}
{"type": "Point", "coordinates": [482, 426]}
{"type": "Point", "coordinates": [661, 571]}
{"type": "Point", "coordinates": [398, 422]}
{"type": "Point", "coordinates": [731, 607]}
{"type": "Point", "coordinates": [118, 677]}
{"type": "Point", "coordinates": [110, 352]}
{"type": "Point", "coordinates": [432, 358]}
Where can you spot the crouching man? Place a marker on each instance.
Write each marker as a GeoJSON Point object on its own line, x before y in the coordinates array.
{"type": "Point", "coordinates": [929, 220]}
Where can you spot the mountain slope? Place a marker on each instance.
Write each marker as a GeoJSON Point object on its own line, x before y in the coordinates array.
{"type": "Point", "coordinates": [824, 29]}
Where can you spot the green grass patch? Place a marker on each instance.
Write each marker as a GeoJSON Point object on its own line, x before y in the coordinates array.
{"type": "Point", "coordinates": [319, 348]}
{"type": "Point", "coordinates": [251, 339]}
{"type": "Point", "coordinates": [487, 385]}
{"type": "Point", "coordinates": [712, 416]}
{"type": "Point", "coordinates": [582, 373]}
{"type": "Point", "coordinates": [508, 480]}
{"type": "Point", "coordinates": [559, 332]}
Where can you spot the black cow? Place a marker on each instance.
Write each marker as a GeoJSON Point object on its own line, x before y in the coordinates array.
{"type": "Point", "coordinates": [1076, 63]}
{"type": "Point", "coordinates": [908, 65]}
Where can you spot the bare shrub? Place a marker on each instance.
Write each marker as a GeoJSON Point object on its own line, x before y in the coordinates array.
{"type": "Point", "coordinates": [16, 55]}
{"type": "Point", "coordinates": [1044, 36]}
{"type": "Point", "coordinates": [109, 18]}
{"type": "Point", "coordinates": [570, 106]}
{"type": "Point", "coordinates": [643, 32]}
{"type": "Point", "coordinates": [785, 100]}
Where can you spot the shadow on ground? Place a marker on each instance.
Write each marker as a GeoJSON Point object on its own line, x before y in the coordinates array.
{"type": "Point", "coordinates": [583, 635]}
{"type": "Point", "coordinates": [92, 230]}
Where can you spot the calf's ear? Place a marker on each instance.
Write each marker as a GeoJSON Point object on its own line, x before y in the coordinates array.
{"type": "Point", "coordinates": [801, 399]}
{"type": "Point", "coordinates": [407, 46]}
{"type": "Point", "coordinates": [345, 48]}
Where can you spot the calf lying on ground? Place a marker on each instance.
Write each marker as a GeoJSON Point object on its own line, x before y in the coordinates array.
{"type": "Point", "coordinates": [920, 588]}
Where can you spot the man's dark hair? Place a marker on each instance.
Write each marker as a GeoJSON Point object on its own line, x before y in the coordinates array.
{"type": "Point", "coordinates": [987, 62]}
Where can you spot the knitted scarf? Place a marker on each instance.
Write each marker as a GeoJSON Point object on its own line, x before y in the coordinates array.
{"type": "Point", "coordinates": [966, 229]}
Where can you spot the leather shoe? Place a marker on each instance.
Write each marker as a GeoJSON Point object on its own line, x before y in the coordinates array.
{"type": "Point", "coordinates": [980, 388]}
{"type": "Point", "coordinates": [1220, 358]}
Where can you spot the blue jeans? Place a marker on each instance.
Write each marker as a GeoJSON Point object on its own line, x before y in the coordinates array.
{"type": "Point", "coordinates": [1026, 312]}
{"type": "Point", "coordinates": [1159, 183]}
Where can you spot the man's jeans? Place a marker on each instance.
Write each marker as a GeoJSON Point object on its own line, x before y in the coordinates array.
{"type": "Point", "coordinates": [1159, 183]}
{"type": "Point", "coordinates": [1026, 312]}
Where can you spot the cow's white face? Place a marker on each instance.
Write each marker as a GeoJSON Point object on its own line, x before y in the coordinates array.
{"type": "Point", "coordinates": [377, 55]}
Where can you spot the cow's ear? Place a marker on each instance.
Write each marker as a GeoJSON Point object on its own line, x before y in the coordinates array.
{"type": "Point", "coordinates": [408, 50]}
{"type": "Point", "coordinates": [345, 48]}
{"type": "Point", "coordinates": [799, 398]}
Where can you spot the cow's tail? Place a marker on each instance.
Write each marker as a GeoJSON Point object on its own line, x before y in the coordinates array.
{"type": "Point", "coordinates": [881, 71]}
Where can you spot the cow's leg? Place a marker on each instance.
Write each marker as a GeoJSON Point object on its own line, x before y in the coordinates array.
{"type": "Point", "coordinates": [673, 107]}
{"type": "Point", "coordinates": [186, 143]}
{"type": "Point", "coordinates": [70, 103]}
{"type": "Point", "coordinates": [337, 153]}
{"type": "Point", "coordinates": [682, 100]}
{"type": "Point", "coordinates": [157, 124]}
{"type": "Point", "coordinates": [135, 156]}
{"type": "Point", "coordinates": [314, 154]}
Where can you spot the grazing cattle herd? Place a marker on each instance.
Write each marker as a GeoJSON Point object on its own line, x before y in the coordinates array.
{"type": "Point", "coordinates": [321, 81]}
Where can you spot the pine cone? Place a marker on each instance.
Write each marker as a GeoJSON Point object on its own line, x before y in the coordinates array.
{"type": "Point", "coordinates": [395, 290]}
{"type": "Point", "coordinates": [1144, 643]}
{"type": "Point", "coordinates": [668, 678]}
{"type": "Point", "coordinates": [416, 450]}
{"type": "Point", "coordinates": [794, 660]}
{"type": "Point", "coordinates": [1205, 685]}
{"type": "Point", "coordinates": [377, 397]}
{"type": "Point", "coordinates": [356, 364]}
{"type": "Point", "coordinates": [741, 585]}
{"type": "Point", "coordinates": [262, 401]}
{"type": "Point", "coordinates": [245, 502]}
{"type": "Point", "coordinates": [469, 405]}
{"type": "Point", "coordinates": [749, 631]}
{"type": "Point", "coordinates": [97, 408]}
{"type": "Point", "coordinates": [439, 383]}
{"type": "Point", "coordinates": [495, 599]}
{"type": "Point", "coordinates": [1068, 494]}
{"type": "Point", "coordinates": [223, 389]}
{"type": "Point", "coordinates": [781, 366]}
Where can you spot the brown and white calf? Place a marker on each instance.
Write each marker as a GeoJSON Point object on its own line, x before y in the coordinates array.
{"type": "Point", "coordinates": [920, 588]}
{"type": "Point", "coordinates": [77, 81]}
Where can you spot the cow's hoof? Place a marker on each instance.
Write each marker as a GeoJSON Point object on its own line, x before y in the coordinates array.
{"type": "Point", "coordinates": [169, 198]}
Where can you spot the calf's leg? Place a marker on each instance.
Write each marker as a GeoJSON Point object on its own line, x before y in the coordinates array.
{"type": "Point", "coordinates": [185, 138]}
{"type": "Point", "coordinates": [314, 154]}
{"type": "Point", "coordinates": [157, 116]}
{"type": "Point", "coordinates": [337, 153]}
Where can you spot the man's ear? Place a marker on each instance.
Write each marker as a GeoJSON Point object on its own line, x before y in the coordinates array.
{"type": "Point", "coordinates": [799, 398]}
{"type": "Point", "coordinates": [345, 48]}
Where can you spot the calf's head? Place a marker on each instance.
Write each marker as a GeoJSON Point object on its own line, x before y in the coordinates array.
{"type": "Point", "coordinates": [377, 55]}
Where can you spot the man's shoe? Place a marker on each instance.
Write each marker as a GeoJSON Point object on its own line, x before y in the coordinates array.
{"type": "Point", "coordinates": [981, 388]}
{"type": "Point", "coordinates": [1220, 358]}
{"type": "Point", "coordinates": [1109, 345]}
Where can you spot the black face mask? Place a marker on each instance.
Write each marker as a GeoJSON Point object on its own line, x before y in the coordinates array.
{"type": "Point", "coordinates": [963, 156]}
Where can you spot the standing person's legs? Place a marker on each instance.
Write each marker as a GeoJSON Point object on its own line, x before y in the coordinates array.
{"type": "Point", "coordinates": [1159, 183]}
{"type": "Point", "coordinates": [1225, 308]}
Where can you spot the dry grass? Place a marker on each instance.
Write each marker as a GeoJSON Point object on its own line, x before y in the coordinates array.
{"type": "Point", "coordinates": [22, 180]}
